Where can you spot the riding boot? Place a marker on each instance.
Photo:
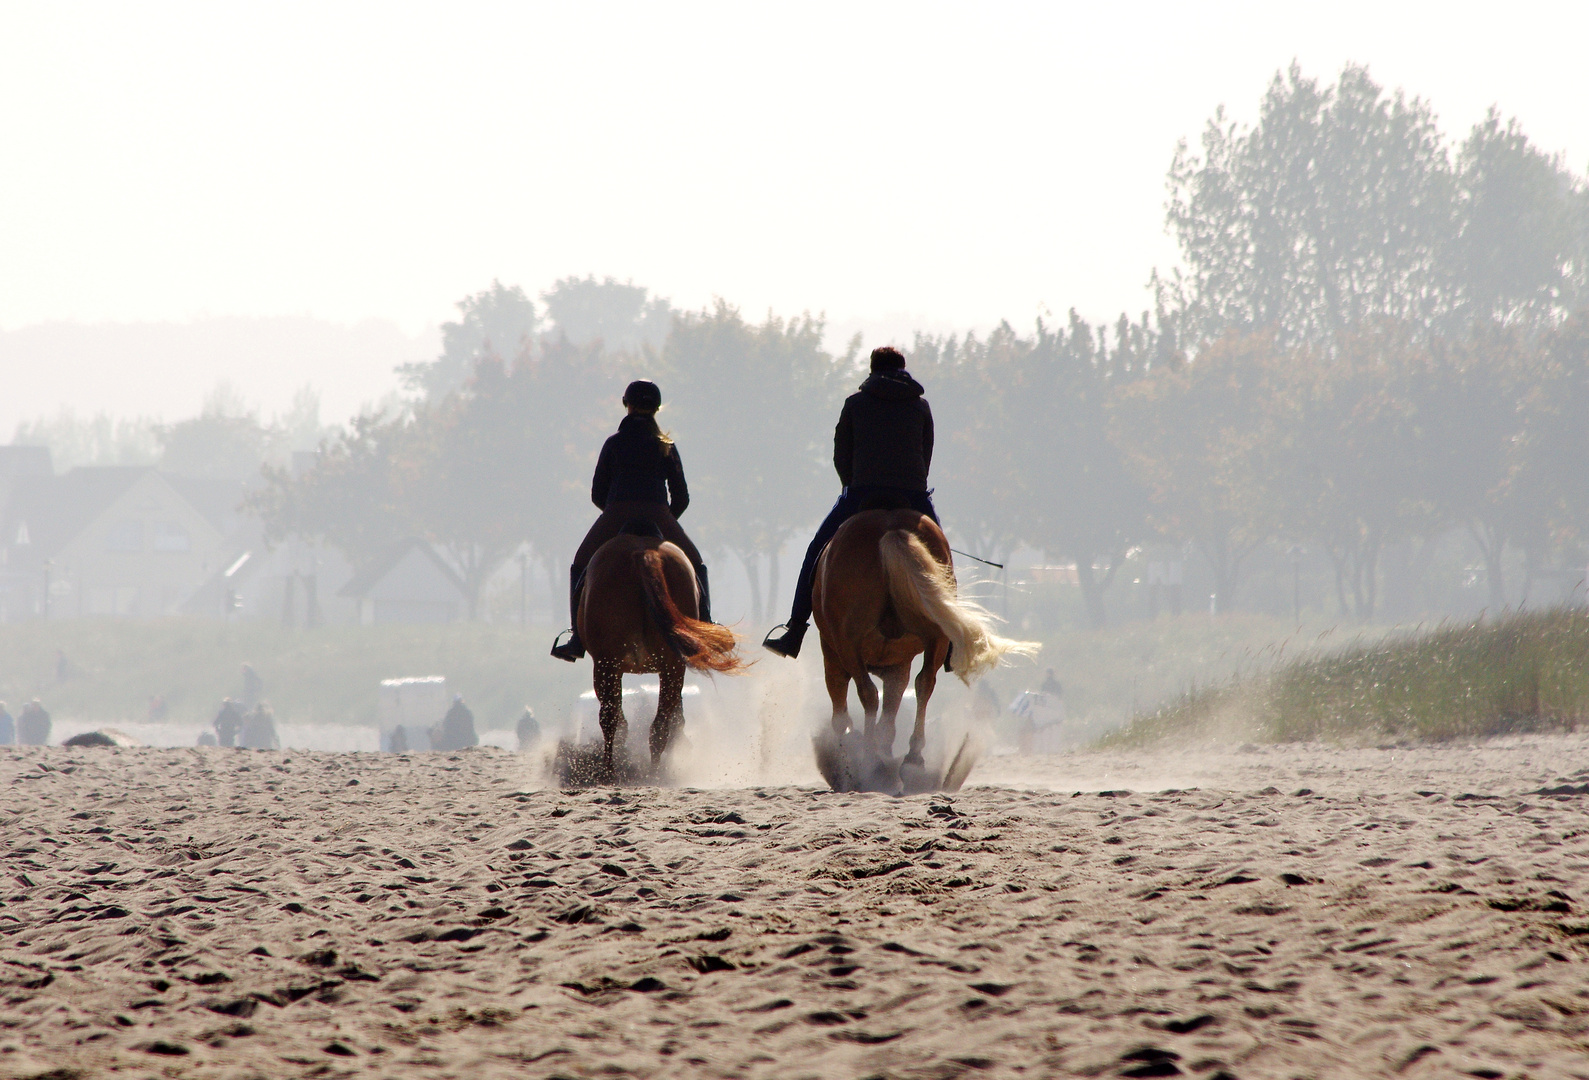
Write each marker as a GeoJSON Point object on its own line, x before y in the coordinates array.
{"type": "Point", "coordinates": [706, 593]}
{"type": "Point", "coordinates": [789, 643]}
{"type": "Point", "coordinates": [573, 649]}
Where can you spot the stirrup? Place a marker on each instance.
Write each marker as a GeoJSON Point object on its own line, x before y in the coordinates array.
{"type": "Point", "coordinates": [787, 645]}
{"type": "Point", "coordinates": [571, 650]}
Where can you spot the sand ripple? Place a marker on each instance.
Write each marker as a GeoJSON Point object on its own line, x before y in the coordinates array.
{"type": "Point", "coordinates": [1301, 911]}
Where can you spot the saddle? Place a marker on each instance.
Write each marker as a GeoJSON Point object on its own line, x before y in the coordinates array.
{"type": "Point", "coordinates": [641, 527]}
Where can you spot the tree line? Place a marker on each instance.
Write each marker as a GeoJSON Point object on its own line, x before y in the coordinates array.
{"type": "Point", "coordinates": [1372, 340]}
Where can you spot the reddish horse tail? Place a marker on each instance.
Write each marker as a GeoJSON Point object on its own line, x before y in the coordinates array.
{"type": "Point", "coordinates": [702, 645]}
{"type": "Point", "coordinates": [923, 589]}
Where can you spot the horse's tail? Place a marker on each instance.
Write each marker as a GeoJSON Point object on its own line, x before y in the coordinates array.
{"type": "Point", "coordinates": [923, 589]}
{"type": "Point", "coordinates": [704, 646]}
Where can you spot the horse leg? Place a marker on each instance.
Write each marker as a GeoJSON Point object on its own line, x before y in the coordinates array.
{"type": "Point", "coordinates": [926, 682]}
{"type": "Point", "coordinates": [895, 679]}
{"type": "Point", "coordinates": [608, 684]}
{"type": "Point", "coordinates": [838, 689]}
{"type": "Point", "coordinates": [866, 690]}
{"type": "Point", "coordinates": [670, 710]}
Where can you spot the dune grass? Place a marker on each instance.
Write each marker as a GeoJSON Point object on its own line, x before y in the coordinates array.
{"type": "Point", "coordinates": [1520, 672]}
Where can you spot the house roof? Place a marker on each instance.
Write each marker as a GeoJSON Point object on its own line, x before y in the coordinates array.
{"type": "Point", "coordinates": [217, 499]}
{"type": "Point", "coordinates": [371, 574]}
{"type": "Point", "coordinates": [54, 510]}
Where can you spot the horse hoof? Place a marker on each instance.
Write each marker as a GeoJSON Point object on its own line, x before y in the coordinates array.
{"type": "Point", "coordinates": [914, 758]}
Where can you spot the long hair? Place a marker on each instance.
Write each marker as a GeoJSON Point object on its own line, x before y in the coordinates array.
{"type": "Point", "coordinates": [664, 439]}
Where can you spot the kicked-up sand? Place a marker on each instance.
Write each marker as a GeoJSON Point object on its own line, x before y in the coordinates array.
{"type": "Point", "coordinates": [1294, 911]}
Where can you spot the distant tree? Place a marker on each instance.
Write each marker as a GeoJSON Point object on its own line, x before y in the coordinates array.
{"type": "Point", "coordinates": [1555, 443]}
{"type": "Point", "coordinates": [1199, 435]}
{"type": "Point", "coordinates": [1519, 250]}
{"type": "Point", "coordinates": [501, 321]}
{"type": "Point", "coordinates": [754, 406]}
{"type": "Point", "coordinates": [352, 498]}
{"type": "Point", "coordinates": [622, 316]}
{"type": "Point", "coordinates": [502, 461]}
{"type": "Point", "coordinates": [226, 440]}
{"type": "Point", "coordinates": [1071, 494]}
{"type": "Point", "coordinates": [1478, 403]}
{"type": "Point", "coordinates": [299, 427]}
{"type": "Point", "coordinates": [95, 440]}
{"type": "Point", "coordinates": [1335, 209]}
{"type": "Point", "coordinates": [1347, 454]}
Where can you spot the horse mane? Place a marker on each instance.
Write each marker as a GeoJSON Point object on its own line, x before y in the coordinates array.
{"type": "Point", "coordinates": [703, 646]}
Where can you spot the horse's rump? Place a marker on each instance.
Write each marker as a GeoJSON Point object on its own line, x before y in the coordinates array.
{"type": "Point", "coordinates": [887, 591]}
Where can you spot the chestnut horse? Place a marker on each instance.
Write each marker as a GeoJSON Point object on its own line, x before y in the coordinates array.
{"type": "Point", "coordinates": [637, 615]}
{"type": "Point", "coordinates": [884, 594]}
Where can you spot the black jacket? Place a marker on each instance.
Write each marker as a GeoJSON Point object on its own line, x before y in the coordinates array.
{"type": "Point", "coordinates": [636, 467]}
{"type": "Point", "coordinates": [884, 437]}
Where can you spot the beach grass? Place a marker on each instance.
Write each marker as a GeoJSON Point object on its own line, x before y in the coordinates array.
{"type": "Point", "coordinates": [1523, 671]}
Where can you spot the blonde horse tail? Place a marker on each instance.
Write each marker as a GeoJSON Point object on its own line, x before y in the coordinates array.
{"type": "Point", "coordinates": [923, 590]}
{"type": "Point", "coordinates": [703, 646]}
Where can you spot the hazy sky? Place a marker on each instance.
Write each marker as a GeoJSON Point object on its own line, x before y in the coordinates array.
{"type": "Point", "coordinates": [890, 164]}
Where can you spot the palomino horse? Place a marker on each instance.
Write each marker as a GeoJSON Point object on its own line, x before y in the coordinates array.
{"type": "Point", "coordinates": [884, 594]}
{"type": "Point", "coordinates": [638, 616]}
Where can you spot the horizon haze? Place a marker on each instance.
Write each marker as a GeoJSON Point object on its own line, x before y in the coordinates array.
{"type": "Point", "coordinates": [890, 167]}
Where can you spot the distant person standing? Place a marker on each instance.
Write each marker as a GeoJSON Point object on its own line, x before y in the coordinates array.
{"type": "Point", "coordinates": [1051, 685]}
{"type": "Point", "coordinates": [259, 729]}
{"type": "Point", "coordinates": [456, 730]}
{"type": "Point", "coordinates": [528, 730]}
{"type": "Point", "coordinates": [33, 725]}
{"type": "Point", "coordinates": [157, 708]}
{"type": "Point", "coordinates": [227, 723]}
{"type": "Point", "coordinates": [63, 666]}
{"type": "Point", "coordinates": [253, 687]}
{"type": "Point", "coordinates": [8, 727]}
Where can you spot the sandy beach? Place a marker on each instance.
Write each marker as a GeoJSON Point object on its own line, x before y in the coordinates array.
{"type": "Point", "coordinates": [1294, 911]}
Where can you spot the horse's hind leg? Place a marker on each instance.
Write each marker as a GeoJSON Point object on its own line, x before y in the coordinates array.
{"type": "Point", "coordinates": [895, 679]}
{"type": "Point", "coordinates": [608, 684]}
{"type": "Point", "coordinates": [670, 711]}
{"type": "Point", "coordinates": [926, 682]}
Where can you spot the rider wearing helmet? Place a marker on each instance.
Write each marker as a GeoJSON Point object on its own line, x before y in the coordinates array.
{"type": "Point", "coordinates": [882, 449]}
{"type": "Point", "coordinates": [639, 480]}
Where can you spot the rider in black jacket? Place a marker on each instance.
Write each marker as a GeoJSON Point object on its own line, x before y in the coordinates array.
{"type": "Point", "coordinates": [882, 449]}
{"type": "Point", "coordinates": [639, 477]}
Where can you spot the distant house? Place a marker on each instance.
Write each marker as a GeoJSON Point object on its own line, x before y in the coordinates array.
{"type": "Point", "coordinates": [294, 582]}
{"type": "Point", "coordinates": [408, 583]}
{"type": "Point", "coordinates": [106, 540]}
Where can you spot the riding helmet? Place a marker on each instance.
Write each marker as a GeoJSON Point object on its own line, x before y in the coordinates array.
{"type": "Point", "coordinates": [643, 394]}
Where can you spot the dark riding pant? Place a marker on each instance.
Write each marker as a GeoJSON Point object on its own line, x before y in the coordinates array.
{"type": "Point", "coordinates": [851, 501]}
{"type": "Point", "coordinates": [611, 523]}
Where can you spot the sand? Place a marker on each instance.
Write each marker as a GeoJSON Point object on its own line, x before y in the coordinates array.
{"type": "Point", "coordinates": [1280, 912]}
